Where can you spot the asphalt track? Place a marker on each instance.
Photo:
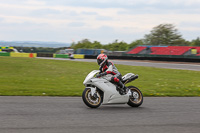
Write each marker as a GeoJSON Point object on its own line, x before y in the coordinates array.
{"type": "Point", "coordinates": [70, 115]}
{"type": "Point", "coordinates": [156, 64]}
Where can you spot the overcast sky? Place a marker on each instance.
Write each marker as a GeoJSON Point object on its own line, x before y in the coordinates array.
{"type": "Point", "coordinates": [97, 20]}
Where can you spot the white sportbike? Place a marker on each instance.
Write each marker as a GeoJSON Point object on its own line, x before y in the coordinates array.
{"type": "Point", "coordinates": [101, 91]}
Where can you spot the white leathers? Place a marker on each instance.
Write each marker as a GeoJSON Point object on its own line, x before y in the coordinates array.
{"type": "Point", "coordinates": [110, 68]}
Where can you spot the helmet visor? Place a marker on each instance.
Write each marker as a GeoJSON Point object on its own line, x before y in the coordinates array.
{"type": "Point", "coordinates": [99, 61]}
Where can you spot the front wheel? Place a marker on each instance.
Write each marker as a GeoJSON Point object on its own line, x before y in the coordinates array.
{"type": "Point", "coordinates": [136, 98]}
{"type": "Point", "coordinates": [91, 101]}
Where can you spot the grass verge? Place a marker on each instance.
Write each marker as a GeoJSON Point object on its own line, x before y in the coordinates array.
{"type": "Point", "coordinates": [40, 77]}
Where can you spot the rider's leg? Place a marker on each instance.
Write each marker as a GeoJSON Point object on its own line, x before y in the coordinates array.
{"type": "Point", "coordinates": [118, 82]}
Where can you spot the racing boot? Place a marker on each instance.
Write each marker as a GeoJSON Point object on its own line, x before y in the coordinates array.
{"type": "Point", "coordinates": [123, 89]}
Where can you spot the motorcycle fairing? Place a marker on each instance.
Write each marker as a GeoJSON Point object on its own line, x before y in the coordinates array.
{"type": "Point", "coordinates": [111, 95]}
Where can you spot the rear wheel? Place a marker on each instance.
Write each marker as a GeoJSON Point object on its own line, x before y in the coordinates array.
{"type": "Point", "coordinates": [91, 101]}
{"type": "Point", "coordinates": [136, 98]}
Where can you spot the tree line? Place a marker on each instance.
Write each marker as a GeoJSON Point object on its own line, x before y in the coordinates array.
{"type": "Point", "coordinates": [161, 35]}
{"type": "Point", "coordinates": [115, 46]}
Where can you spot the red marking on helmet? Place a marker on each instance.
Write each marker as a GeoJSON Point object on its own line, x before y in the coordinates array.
{"type": "Point", "coordinates": [101, 56]}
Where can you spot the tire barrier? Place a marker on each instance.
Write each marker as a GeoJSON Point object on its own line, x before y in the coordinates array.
{"type": "Point", "coordinates": [61, 56]}
{"type": "Point", "coordinates": [79, 56]}
{"type": "Point", "coordinates": [44, 55]}
{"type": "Point", "coordinates": [152, 57]}
{"type": "Point", "coordinates": [4, 54]}
{"type": "Point", "coordinates": [176, 58]}
{"type": "Point", "coordinates": [32, 55]}
{"type": "Point", "coordinates": [23, 55]}
{"type": "Point", "coordinates": [75, 56]}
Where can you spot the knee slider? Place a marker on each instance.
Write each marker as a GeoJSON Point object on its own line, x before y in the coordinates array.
{"type": "Point", "coordinates": [114, 79]}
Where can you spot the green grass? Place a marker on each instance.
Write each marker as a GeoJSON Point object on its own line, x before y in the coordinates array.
{"type": "Point", "coordinates": [40, 77]}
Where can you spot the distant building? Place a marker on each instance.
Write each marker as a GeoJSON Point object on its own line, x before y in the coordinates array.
{"type": "Point", "coordinates": [66, 51]}
{"type": "Point", "coordinates": [8, 49]}
{"type": "Point", "coordinates": [90, 51]}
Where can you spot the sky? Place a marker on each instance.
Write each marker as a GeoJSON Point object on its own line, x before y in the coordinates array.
{"type": "Point", "coordinates": [97, 20]}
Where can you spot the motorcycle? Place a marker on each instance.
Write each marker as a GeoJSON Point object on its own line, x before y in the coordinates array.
{"type": "Point", "coordinates": [101, 91]}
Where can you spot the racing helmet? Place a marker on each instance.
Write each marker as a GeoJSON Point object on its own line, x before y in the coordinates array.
{"type": "Point", "coordinates": [101, 59]}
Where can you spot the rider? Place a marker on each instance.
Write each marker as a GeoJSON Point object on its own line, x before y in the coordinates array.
{"type": "Point", "coordinates": [107, 67]}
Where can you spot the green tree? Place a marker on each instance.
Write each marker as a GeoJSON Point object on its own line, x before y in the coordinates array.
{"type": "Point", "coordinates": [116, 46]}
{"type": "Point", "coordinates": [164, 34]}
{"type": "Point", "coordinates": [195, 42]}
{"type": "Point", "coordinates": [85, 43]}
{"type": "Point", "coordinates": [123, 46]}
{"type": "Point", "coordinates": [96, 45]}
{"type": "Point", "coordinates": [135, 43]}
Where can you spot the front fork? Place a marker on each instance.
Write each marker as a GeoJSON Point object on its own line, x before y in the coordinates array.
{"type": "Point", "coordinates": [93, 91]}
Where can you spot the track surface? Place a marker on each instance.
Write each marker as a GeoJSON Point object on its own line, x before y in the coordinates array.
{"type": "Point", "coordinates": [156, 64]}
{"type": "Point", "coordinates": [70, 115]}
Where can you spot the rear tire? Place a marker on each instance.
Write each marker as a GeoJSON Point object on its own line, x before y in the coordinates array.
{"type": "Point", "coordinates": [91, 101]}
{"type": "Point", "coordinates": [136, 99]}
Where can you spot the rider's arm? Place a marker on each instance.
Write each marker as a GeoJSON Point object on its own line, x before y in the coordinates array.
{"type": "Point", "coordinates": [110, 69]}
{"type": "Point", "coordinates": [101, 74]}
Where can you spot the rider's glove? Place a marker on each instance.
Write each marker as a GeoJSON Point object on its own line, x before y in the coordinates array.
{"type": "Point", "coordinates": [100, 74]}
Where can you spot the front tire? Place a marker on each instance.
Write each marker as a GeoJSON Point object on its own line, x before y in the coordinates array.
{"type": "Point", "coordinates": [136, 98]}
{"type": "Point", "coordinates": [91, 101]}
